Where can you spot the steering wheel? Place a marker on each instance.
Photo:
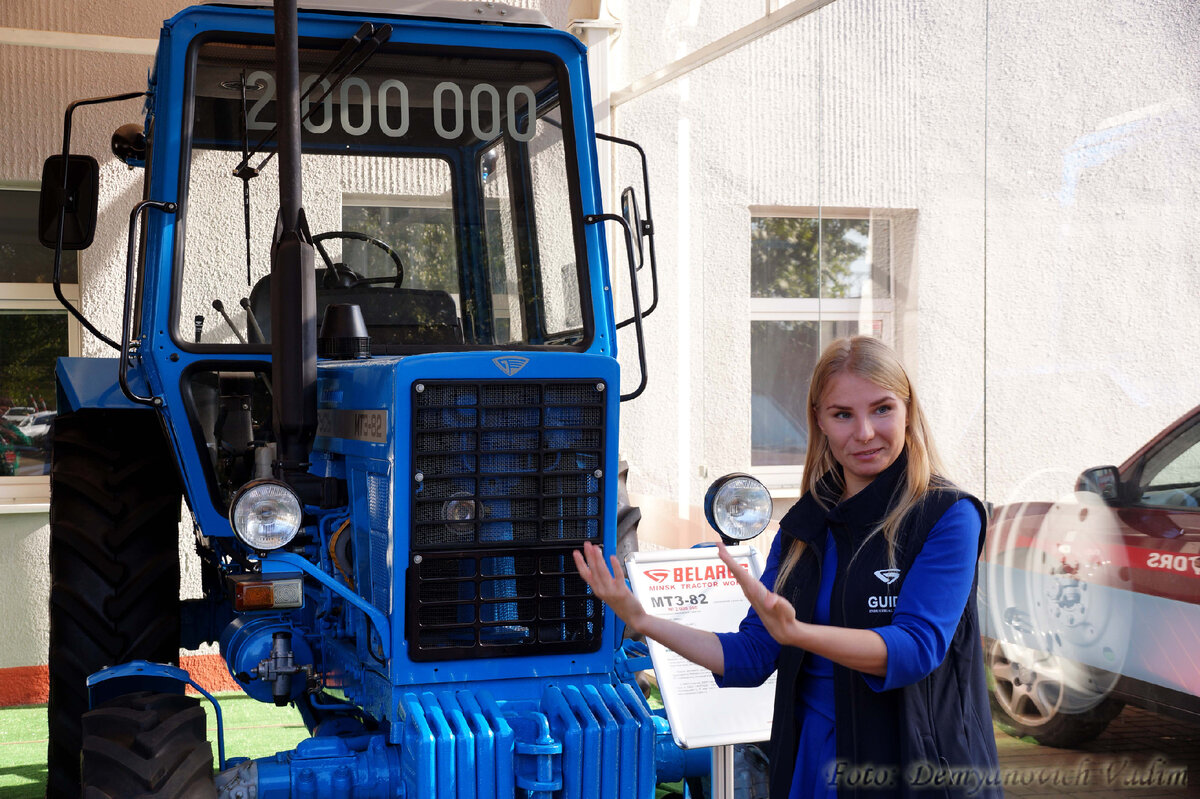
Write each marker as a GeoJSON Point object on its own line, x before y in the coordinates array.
{"type": "Point", "coordinates": [340, 276]}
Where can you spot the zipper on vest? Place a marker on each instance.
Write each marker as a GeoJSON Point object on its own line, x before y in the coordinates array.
{"type": "Point", "coordinates": [850, 691]}
{"type": "Point", "coordinates": [810, 611]}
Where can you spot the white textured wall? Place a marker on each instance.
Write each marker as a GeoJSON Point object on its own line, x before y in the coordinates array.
{"type": "Point", "coordinates": [25, 589]}
{"type": "Point", "coordinates": [827, 110]}
{"type": "Point", "coordinates": [1093, 273]}
{"type": "Point", "coordinates": [36, 84]}
{"type": "Point", "coordinates": [945, 326]}
{"type": "Point", "coordinates": [661, 31]}
{"type": "Point", "coordinates": [1051, 303]}
{"type": "Point", "coordinates": [127, 18]}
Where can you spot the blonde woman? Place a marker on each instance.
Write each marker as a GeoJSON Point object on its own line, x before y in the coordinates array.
{"type": "Point", "coordinates": [866, 607]}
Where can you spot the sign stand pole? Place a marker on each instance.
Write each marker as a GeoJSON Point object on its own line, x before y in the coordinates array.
{"type": "Point", "coordinates": [722, 772]}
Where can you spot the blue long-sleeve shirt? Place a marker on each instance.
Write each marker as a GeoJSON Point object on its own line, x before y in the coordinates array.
{"type": "Point", "coordinates": [927, 612]}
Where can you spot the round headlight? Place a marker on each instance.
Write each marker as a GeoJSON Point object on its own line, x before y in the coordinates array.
{"type": "Point", "coordinates": [738, 506]}
{"type": "Point", "coordinates": [266, 514]}
{"type": "Point", "coordinates": [460, 511]}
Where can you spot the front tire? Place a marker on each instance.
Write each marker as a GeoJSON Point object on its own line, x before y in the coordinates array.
{"type": "Point", "coordinates": [1029, 699]}
{"type": "Point", "coordinates": [114, 565]}
{"type": "Point", "coordinates": [147, 745]}
{"type": "Point", "coordinates": [628, 515]}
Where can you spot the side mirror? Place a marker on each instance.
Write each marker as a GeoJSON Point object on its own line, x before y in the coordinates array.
{"type": "Point", "coordinates": [77, 204]}
{"type": "Point", "coordinates": [633, 215]}
{"type": "Point", "coordinates": [1102, 480]}
{"type": "Point", "coordinates": [738, 507]}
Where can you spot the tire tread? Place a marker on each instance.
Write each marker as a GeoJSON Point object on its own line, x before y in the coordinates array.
{"type": "Point", "coordinates": [148, 746]}
{"type": "Point", "coordinates": [114, 565]}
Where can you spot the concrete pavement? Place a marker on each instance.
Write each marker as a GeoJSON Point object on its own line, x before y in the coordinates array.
{"type": "Point", "coordinates": [1140, 755]}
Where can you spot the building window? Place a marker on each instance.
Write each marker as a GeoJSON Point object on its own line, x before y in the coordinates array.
{"type": "Point", "coordinates": [34, 332]}
{"type": "Point", "coordinates": [814, 276]}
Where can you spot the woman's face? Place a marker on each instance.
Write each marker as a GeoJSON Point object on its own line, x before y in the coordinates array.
{"type": "Point", "coordinates": [865, 426]}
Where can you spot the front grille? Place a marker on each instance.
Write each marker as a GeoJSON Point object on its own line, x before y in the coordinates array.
{"type": "Point", "coordinates": [491, 603]}
{"type": "Point", "coordinates": [507, 481]}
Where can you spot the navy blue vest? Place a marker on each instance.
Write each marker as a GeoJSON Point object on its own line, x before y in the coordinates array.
{"type": "Point", "coordinates": [929, 739]}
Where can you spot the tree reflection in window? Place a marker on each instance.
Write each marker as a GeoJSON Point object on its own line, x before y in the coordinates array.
{"type": "Point", "coordinates": [30, 342]}
{"type": "Point", "coordinates": [785, 253]}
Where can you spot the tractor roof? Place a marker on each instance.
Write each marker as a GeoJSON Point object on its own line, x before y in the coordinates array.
{"type": "Point", "coordinates": [451, 10]}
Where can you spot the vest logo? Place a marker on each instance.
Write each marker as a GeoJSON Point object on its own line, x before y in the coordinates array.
{"type": "Point", "coordinates": [658, 575]}
{"type": "Point", "coordinates": [888, 576]}
{"type": "Point", "coordinates": [510, 364]}
{"type": "Point", "coordinates": [881, 604]}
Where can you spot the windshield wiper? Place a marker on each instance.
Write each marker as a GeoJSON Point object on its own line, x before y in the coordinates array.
{"type": "Point", "coordinates": [354, 53]}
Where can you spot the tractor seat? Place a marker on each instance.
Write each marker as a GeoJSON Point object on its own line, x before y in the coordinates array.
{"type": "Point", "coordinates": [397, 318]}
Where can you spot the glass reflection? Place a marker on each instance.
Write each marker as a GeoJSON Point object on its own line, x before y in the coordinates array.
{"type": "Point", "coordinates": [30, 342]}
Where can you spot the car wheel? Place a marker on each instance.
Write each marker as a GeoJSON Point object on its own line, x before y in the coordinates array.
{"type": "Point", "coordinates": [1031, 697]}
{"type": "Point", "coordinates": [1059, 602]}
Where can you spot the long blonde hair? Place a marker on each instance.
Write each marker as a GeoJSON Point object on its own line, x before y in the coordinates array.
{"type": "Point", "coordinates": [870, 359]}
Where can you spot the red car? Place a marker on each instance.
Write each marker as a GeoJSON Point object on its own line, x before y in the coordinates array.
{"type": "Point", "coordinates": [1093, 602]}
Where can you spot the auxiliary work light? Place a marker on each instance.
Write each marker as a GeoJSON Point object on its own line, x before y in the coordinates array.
{"type": "Point", "coordinates": [738, 507]}
{"type": "Point", "coordinates": [265, 514]}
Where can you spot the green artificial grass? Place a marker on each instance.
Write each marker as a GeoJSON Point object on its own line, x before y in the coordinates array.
{"type": "Point", "coordinates": [22, 752]}
{"type": "Point", "coordinates": [252, 729]}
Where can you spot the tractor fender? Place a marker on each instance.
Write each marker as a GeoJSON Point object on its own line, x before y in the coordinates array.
{"type": "Point", "coordinates": [92, 383]}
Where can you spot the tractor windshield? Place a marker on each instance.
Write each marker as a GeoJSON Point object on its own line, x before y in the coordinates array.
{"type": "Point", "coordinates": [437, 187]}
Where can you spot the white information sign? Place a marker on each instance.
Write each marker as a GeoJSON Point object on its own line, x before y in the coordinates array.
{"type": "Point", "coordinates": [693, 587]}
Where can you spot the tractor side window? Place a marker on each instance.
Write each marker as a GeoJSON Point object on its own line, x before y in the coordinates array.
{"type": "Point", "coordinates": [504, 263]}
{"type": "Point", "coordinates": [530, 242]}
{"type": "Point", "coordinates": [423, 229]}
{"type": "Point", "coordinates": [558, 273]}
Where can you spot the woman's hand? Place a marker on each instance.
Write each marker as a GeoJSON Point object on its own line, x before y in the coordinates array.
{"type": "Point", "coordinates": [608, 586]}
{"type": "Point", "coordinates": [861, 650]}
{"type": "Point", "coordinates": [698, 646]}
{"type": "Point", "coordinates": [777, 614]}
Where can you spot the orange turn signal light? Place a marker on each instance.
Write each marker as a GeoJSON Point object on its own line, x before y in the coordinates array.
{"type": "Point", "coordinates": [250, 593]}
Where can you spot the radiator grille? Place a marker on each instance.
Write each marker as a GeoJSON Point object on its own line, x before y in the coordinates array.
{"type": "Point", "coordinates": [507, 482]}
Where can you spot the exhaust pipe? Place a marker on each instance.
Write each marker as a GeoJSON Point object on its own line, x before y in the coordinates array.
{"type": "Point", "coordinates": [293, 281]}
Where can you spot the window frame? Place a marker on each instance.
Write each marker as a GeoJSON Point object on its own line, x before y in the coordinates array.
{"type": "Point", "coordinates": [31, 494]}
{"type": "Point", "coordinates": [1164, 455]}
{"type": "Point", "coordinates": [785, 480]}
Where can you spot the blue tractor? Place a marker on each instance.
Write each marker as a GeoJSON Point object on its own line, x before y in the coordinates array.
{"type": "Point", "coordinates": [369, 337]}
